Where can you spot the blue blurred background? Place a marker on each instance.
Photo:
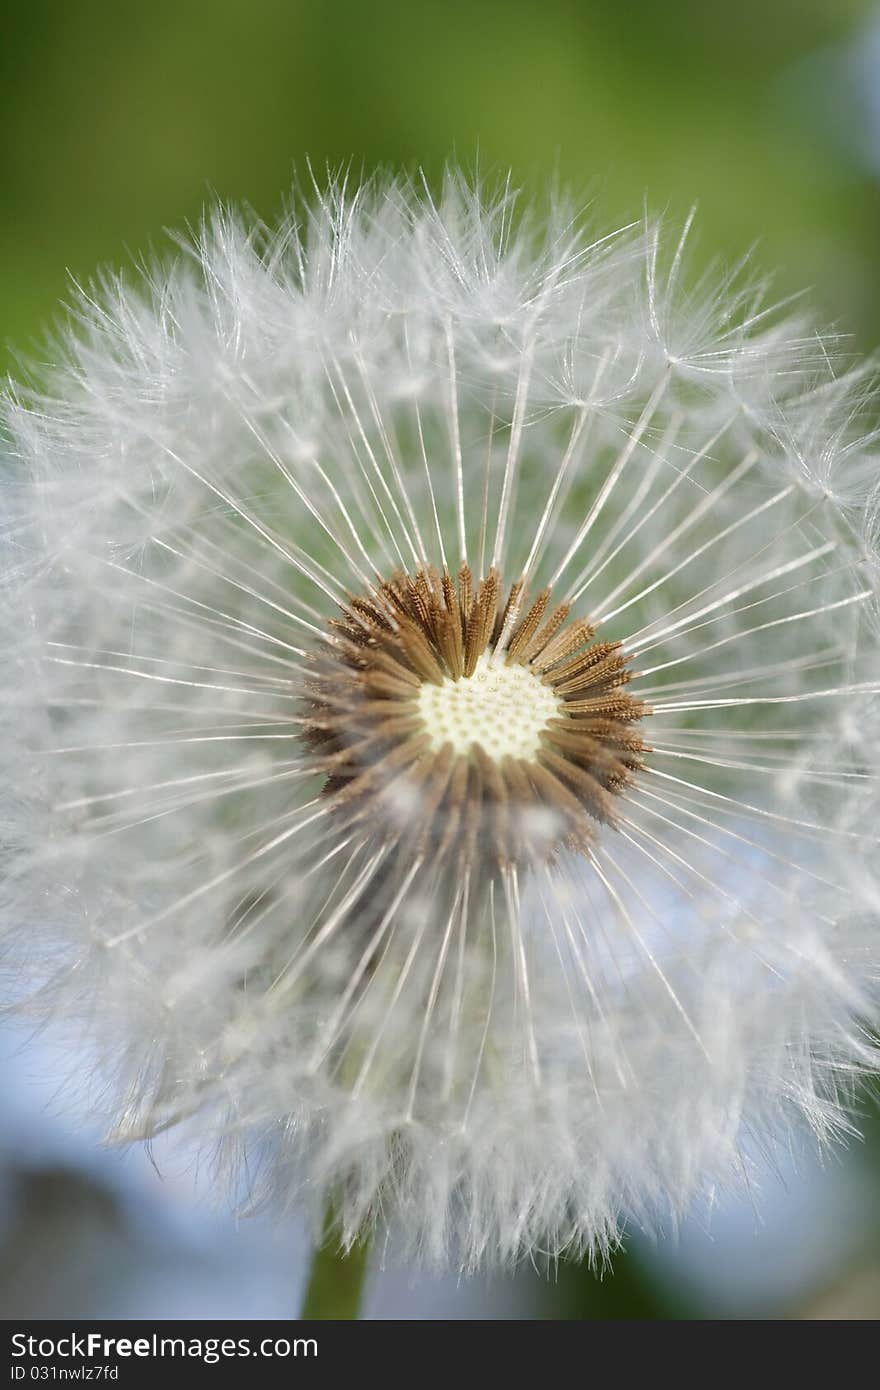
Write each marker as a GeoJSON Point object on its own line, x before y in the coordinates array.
{"type": "Point", "coordinates": [118, 121]}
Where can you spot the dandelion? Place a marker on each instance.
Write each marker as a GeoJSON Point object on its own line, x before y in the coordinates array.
{"type": "Point", "coordinates": [441, 674]}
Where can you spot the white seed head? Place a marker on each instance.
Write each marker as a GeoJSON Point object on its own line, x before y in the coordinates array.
{"type": "Point", "coordinates": [439, 760]}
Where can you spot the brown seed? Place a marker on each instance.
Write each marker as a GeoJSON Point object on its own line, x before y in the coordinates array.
{"type": "Point", "coordinates": [468, 804]}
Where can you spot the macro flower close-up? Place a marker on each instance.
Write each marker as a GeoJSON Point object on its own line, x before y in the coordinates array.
{"type": "Point", "coordinates": [440, 712]}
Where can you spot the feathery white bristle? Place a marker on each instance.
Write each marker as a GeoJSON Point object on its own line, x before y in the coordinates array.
{"type": "Point", "coordinates": [518, 1054]}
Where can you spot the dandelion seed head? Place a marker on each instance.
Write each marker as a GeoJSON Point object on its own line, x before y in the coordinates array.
{"type": "Point", "coordinates": [439, 764]}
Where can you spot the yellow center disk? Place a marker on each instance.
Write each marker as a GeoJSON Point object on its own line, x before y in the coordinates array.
{"type": "Point", "coordinates": [504, 708]}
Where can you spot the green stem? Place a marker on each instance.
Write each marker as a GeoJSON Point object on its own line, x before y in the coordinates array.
{"type": "Point", "coordinates": [336, 1280]}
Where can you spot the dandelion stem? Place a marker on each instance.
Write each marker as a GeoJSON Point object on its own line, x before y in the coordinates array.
{"type": "Point", "coordinates": [336, 1280]}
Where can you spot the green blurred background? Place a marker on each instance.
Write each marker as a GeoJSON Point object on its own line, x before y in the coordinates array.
{"type": "Point", "coordinates": [118, 120]}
